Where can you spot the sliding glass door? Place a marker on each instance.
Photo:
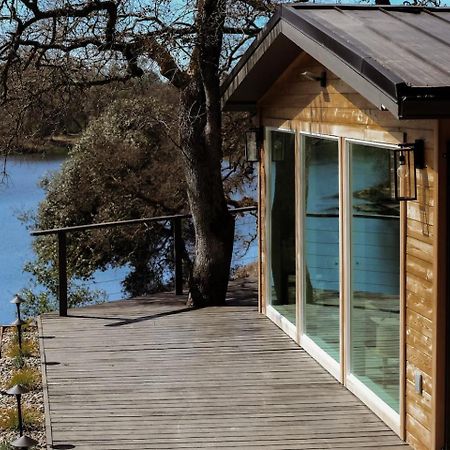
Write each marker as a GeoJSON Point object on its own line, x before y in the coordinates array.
{"type": "Point", "coordinates": [281, 224]}
{"type": "Point", "coordinates": [321, 293]}
{"type": "Point", "coordinates": [347, 260]}
{"type": "Point", "coordinates": [350, 234]}
{"type": "Point", "coordinates": [375, 273]}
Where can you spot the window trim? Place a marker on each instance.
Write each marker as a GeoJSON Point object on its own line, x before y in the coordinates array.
{"type": "Point", "coordinates": [282, 322]}
{"type": "Point", "coordinates": [341, 370]}
{"type": "Point", "coordinates": [392, 418]}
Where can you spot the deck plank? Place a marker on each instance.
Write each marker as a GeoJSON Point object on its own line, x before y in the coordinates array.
{"type": "Point", "coordinates": [150, 374]}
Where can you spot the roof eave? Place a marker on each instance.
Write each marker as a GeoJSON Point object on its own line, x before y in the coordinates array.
{"type": "Point", "coordinates": [343, 70]}
{"type": "Point", "coordinates": [287, 30]}
{"type": "Point", "coordinates": [258, 69]}
{"type": "Point", "coordinates": [225, 85]}
{"type": "Point", "coordinates": [424, 107]}
{"type": "Point", "coordinates": [281, 24]}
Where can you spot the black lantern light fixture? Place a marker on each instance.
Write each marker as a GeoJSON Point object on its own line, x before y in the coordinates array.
{"type": "Point", "coordinates": [252, 144]}
{"type": "Point", "coordinates": [407, 158]}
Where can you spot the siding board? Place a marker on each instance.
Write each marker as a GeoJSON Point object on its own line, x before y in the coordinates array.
{"type": "Point", "coordinates": [338, 110]}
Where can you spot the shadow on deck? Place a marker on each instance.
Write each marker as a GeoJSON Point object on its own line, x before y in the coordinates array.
{"type": "Point", "coordinates": [149, 374]}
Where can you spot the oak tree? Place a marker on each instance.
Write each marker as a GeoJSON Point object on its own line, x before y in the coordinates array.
{"type": "Point", "coordinates": [190, 44]}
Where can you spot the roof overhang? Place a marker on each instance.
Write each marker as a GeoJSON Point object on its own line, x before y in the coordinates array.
{"type": "Point", "coordinates": [287, 35]}
{"type": "Point", "coordinates": [263, 63]}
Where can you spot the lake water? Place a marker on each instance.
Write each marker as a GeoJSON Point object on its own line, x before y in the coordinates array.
{"type": "Point", "coordinates": [18, 193]}
{"type": "Point", "coordinates": [21, 193]}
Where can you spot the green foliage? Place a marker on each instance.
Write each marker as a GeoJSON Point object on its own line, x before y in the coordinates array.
{"type": "Point", "coordinates": [28, 377]}
{"type": "Point", "coordinates": [25, 327]}
{"type": "Point", "coordinates": [5, 446]}
{"type": "Point", "coordinates": [9, 419]}
{"type": "Point", "coordinates": [126, 166]}
{"type": "Point", "coordinates": [39, 300]}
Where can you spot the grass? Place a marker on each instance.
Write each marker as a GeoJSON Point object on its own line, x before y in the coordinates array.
{"type": "Point", "coordinates": [9, 420]}
{"type": "Point", "coordinates": [28, 377]}
{"type": "Point", "coordinates": [25, 327]}
{"type": "Point", "coordinates": [29, 348]}
{"type": "Point", "coordinates": [18, 362]}
{"type": "Point", "coordinates": [5, 446]}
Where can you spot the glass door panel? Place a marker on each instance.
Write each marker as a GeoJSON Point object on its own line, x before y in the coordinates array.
{"type": "Point", "coordinates": [282, 289]}
{"type": "Point", "coordinates": [321, 243]}
{"type": "Point", "coordinates": [375, 250]}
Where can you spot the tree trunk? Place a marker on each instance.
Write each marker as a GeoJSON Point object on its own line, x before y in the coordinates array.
{"type": "Point", "coordinates": [201, 145]}
{"type": "Point", "coordinates": [213, 224]}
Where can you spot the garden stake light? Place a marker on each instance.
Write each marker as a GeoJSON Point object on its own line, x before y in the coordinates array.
{"type": "Point", "coordinates": [18, 324]}
{"type": "Point", "coordinates": [17, 300]}
{"type": "Point", "coordinates": [24, 442]}
{"type": "Point", "coordinates": [18, 390]}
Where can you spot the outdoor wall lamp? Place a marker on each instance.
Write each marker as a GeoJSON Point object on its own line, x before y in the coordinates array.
{"type": "Point", "coordinates": [253, 139]}
{"type": "Point", "coordinates": [407, 158]}
{"type": "Point", "coordinates": [322, 78]}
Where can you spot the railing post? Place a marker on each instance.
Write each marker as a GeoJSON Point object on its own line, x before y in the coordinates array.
{"type": "Point", "coordinates": [178, 250]}
{"type": "Point", "coordinates": [62, 273]}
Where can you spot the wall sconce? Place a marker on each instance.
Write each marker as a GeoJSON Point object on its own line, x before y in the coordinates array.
{"type": "Point", "coordinates": [252, 144]}
{"type": "Point", "coordinates": [407, 158]}
{"type": "Point", "coordinates": [322, 78]}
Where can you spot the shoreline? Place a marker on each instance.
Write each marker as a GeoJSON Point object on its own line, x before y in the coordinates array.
{"type": "Point", "coordinates": [59, 145]}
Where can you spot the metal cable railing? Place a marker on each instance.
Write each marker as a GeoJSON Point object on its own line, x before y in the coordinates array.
{"type": "Point", "coordinates": [176, 225]}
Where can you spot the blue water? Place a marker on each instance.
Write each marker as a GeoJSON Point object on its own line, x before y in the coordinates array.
{"type": "Point", "coordinates": [21, 193]}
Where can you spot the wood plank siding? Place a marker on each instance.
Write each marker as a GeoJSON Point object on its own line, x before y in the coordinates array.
{"type": "Point", "coordinates": [298, 104]}
{"type": "Point", "coordinates": [149, 374]}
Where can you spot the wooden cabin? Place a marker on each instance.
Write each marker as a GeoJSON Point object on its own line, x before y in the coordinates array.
{"type": "Point", "coordinates": [351, 108]}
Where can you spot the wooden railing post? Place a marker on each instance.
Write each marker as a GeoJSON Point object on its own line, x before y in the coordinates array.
{"type": "Point", "coordinates": [62, 273]}
{"type": "Point", "coordinates": [178, 250]}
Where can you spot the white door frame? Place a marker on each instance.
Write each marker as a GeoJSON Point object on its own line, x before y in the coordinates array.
{"type": "Point", "coordinates": [321, 356]}
{"type": "Point", "coordinates": [381, 408]}
{"type": "Point", "coordinates": [288, 327]}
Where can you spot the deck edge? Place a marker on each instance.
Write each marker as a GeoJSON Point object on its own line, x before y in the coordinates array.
{"type": "Point", "coordinates": [48, 425]}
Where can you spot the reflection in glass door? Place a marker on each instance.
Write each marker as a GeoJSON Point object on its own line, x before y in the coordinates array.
{"type": "Point", "coordinates": [321, 293]}
{"type": "Point", "coordinates": [375, 257]}
{"type": "Point", "coordinates": [282, 286]}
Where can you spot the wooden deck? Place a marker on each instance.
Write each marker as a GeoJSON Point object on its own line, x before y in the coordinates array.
{"type": "Point", "coordinates": [149, 374]}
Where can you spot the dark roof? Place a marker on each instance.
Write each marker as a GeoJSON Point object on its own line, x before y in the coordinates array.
{"type": "Point", "coordinates": [398, 57]}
